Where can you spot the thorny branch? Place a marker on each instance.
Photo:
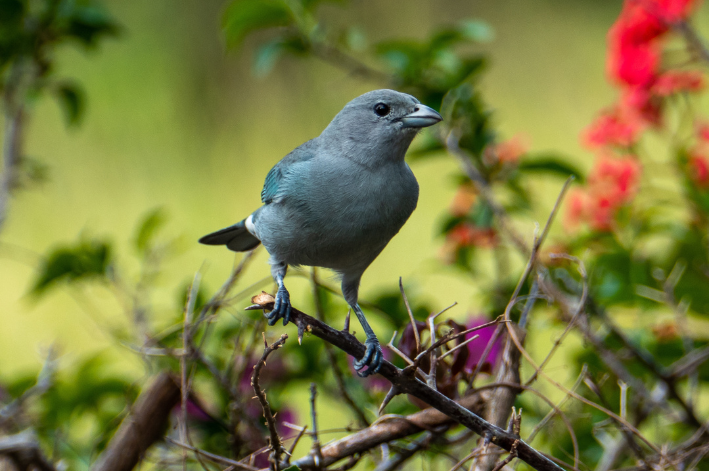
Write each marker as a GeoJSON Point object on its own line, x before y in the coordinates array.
{"type": "Point", "coordinates": [389, 428]}
{"type": "Point", "coordinates": [405, 383]}
{"type": "Point", "coordinates": [276, 445]}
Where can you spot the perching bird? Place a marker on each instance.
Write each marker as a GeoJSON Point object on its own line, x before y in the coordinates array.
{"type": "Point", "coordinates": [337, 200]}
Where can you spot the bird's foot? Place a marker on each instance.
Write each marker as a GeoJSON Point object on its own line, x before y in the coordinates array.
{"type": "Point", "coordinates": [281, 307]}
{"type": "Point", "coordinates": [373, 358]}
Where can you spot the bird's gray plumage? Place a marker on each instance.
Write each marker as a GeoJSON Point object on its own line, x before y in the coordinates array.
{"type": "Point", "coordinates": [337, 200]}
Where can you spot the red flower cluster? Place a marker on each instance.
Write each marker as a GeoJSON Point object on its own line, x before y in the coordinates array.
{"type": "Point", "coordinates": [635, 46]}
{"type": "Point", "coordinates": [634, 60]}
{"type": "Point", "coordinates": [612, 184]}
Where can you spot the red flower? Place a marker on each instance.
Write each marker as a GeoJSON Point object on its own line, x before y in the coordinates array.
{"type": "Point", "coordinates": [615, 178]}
{"type": "Point", "coordinates": [699, 170]}
{"type": "Point", "coordinates": [612, 128]}
{"type": "Point", "coordinates": [636, 25]}
{"type": "Point", "coordinates": [638, 105]}
{"type": "Point", "coordinates": [612, 184]}
{"type": "Point", "coordinates": [633, 64]}
{"type": "Point", "coordinates": [678, 81]}
{"type": "Point", "coordinates": [576, 208]}
{"type": "Point", "coordinates": [673, 11]}
{"type": "Point", "coordinates": [702, 130]}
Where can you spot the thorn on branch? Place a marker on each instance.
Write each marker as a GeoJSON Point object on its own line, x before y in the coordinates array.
{"type": "Point", "coordinates": [393, 392]}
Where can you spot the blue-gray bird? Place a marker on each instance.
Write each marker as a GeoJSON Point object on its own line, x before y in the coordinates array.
{"type": "Point", "coordinates": [337, 200]}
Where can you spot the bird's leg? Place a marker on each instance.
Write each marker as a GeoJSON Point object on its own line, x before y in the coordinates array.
{"type": "Point", "coordinates": [373, 355]}
{"type": "Point", "coordinates": [281, 306]}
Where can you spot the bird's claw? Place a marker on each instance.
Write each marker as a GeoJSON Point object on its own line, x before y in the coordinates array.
{"type": "Point", "coordinates": [281, 308]}
{"type": "Point", "coordinates": [373, 358]}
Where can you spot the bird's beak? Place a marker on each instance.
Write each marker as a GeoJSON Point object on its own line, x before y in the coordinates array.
{"type": "Point", "coordinates": [422, 117]}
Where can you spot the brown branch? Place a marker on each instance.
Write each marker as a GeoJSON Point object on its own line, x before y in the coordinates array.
{"type": "Point", "coordinates": [24, 451]}
{"type": "Point", "coordinates": [503, 398]}
{"type": "Point", "coordinates": [387, 429]}
{"type": "Point", "coordinates": [142, 427]}
{"type": "Point", "coordinates": [407, 384]}
{"type": "Point", "coordinates": [276, 446]}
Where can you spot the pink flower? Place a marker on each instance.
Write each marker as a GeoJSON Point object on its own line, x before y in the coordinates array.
{"type": "Point", "coordinates": [477, 347]}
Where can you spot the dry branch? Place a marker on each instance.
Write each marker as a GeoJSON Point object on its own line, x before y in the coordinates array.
{"type": "Point", "coordinates": [406, 383]}
{"type": "Point", "coordinates": [24, 452]}
{"type": "Point", "coordinates": [142, 427]}
{"type": "Point", "coordinates": [276, 446]}
{"type": "Point", "coordinates": [387, 429]}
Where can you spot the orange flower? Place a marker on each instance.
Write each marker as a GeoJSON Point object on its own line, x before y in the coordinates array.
{"type": "Point", "coordinates": [468, 235]}
{"type": "Point", "coordinates": [463, 200]}
{"type": "Point", "coordinates": [511, 150]}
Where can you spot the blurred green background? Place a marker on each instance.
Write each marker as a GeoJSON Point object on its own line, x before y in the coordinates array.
{"type": "Point", "coordinates": [177, 121]}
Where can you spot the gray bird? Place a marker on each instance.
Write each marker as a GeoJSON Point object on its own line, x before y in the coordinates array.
{"type": "Point", "coordinates": [337, 200]}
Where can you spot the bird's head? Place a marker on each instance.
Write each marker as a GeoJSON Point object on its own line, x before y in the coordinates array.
{"type": "Point", "coordinates": [378, 125]}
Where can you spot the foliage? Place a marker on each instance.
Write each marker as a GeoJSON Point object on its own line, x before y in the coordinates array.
{"type": "Point", "coordinates": [626, 251]}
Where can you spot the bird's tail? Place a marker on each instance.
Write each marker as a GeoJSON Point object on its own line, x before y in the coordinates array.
{"type": "Point", "coordinates": [235, 237]}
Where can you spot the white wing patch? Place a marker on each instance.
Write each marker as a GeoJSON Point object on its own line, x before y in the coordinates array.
{"type": "Point", "coordinates": [250, 225]}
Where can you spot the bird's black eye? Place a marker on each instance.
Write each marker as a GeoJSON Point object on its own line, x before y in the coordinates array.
{"type": "Point", "coordinates": [382, 109]}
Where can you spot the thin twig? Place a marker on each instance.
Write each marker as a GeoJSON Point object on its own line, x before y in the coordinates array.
{"type": "Point", "coordinates": [411, 317]}
{"type": "Point", "coordinates": [212, 456]}
{"type": "Point", "coordinates": [276, 446]}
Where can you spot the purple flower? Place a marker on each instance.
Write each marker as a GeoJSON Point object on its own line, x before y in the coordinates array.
{"type": "Point", "coordinates": [477, 347]}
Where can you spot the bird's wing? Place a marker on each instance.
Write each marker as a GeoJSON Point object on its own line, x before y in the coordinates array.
{"type": "Point", "coordinates": [276, 178]}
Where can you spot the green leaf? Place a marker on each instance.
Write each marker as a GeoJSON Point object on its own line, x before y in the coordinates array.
{"type": "Point", "coordinates": [550, 164]}
{"type": "Point", "coordinates": [477, 30]}
{"type": "Point", "coordinates": [71, 99]}
{"type": "Point", "coordinates": [244, 16]}
{"type": "Point", "coordinates": [266, 57]}
{"type": "Point", "coordinates": [85, 260]}
{"type": "Point", "coordinates": [11, 13]}
{"type": "Point", "coordinates": [89, 23]}
{"type": "Point", "coordinates": [148, 228]}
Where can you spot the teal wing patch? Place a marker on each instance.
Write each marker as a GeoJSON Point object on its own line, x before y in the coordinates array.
{"type": "Point", "coordinates": [270, 186]}
{"type": "Point", "coordinates": [278, 174]}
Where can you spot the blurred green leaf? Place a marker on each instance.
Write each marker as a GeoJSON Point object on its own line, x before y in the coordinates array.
{"type": "Point", "coordinates": [11, 13]}
{"type": "Point", "coordinates": [88, 23]}
{"type": "Point", "coordinates": [550, 164]}
{"type": "Point", "coordinates": [85, 260]}
{"type": "Point", "coordinates": [148, 228]}
{"type": "Point", "coordinates": [71, 99]}
{"type": "Point", "coordinates": [477, 30]}
{"type": "Point", "coordinates": [244, 16]}
{"type": "Point", "coordinates": [266, 57]}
